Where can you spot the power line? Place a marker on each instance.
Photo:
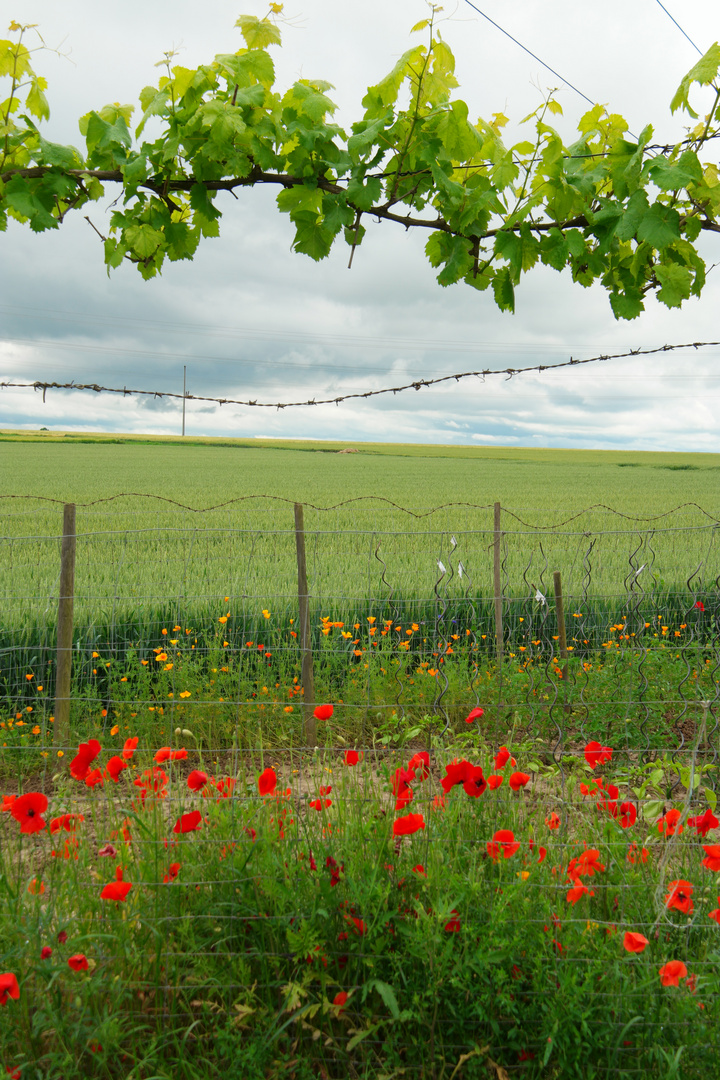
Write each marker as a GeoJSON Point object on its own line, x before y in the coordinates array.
{"type": "Point", "coordinates": [416, 384]}
{"type": "Point", "coordinates": [679, 27]}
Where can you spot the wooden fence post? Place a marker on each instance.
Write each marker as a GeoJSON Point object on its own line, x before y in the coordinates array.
{"type": "Point", "coordinates": [560, 617]}
{"type": "Point", "coordinates": [63, 668]}
{"type": "Point", "coordinates": [497, 586]}
{"type": "Point", "coordinates": [308, 676]}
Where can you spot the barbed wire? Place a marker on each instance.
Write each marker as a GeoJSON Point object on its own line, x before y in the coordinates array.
{"type": "Point", "coordinates": [417, 513]}
{"type": "Point", "coordinates": [416, 384]}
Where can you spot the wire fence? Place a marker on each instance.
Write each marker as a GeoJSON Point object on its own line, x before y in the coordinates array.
{"type": "Point", "coordinates": [218, 642]}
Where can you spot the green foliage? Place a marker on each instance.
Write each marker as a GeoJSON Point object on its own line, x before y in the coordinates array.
{"type": "Point", "coordinates": [413, 157]}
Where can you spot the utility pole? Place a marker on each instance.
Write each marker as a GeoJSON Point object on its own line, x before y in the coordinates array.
{"type": "Point", "coordinates": [184, 374]}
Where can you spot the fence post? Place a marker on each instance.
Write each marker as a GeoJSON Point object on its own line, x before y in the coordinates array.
{"type": "Point", "coordinates": [560, 617]}
{"type": "Point", "coordinates": [63, 668]}
{"type": "Point", "coordinates": [308, 676]}
{"type": "Point", "coordinates": [497, 586]}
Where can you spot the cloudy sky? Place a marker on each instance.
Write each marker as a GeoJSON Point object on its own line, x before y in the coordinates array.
{"type": "Point", "coordinates": [251, 319]}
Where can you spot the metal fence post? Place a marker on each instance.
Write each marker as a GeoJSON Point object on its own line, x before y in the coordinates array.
{"type": "Point", "coordinates": [63, 670]}
{"type": "Point", "coordinates": [308, 675]}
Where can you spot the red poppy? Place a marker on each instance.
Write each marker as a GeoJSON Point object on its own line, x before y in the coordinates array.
{"type": "Point", "coordinates": [188, 822]}
{"type": "Point", "coordinates": [715, 914]}
{"type": "Point", "coordinates": [130, 747]}
{"type": "Point", "coordinates": [28, 810]}
{"type": "Point", "coordinates": [411, 823]}
{"type": "Point", "coordinates": [420, 762]}
{"type": "Point", "coordinates": [335, 870]}
{"type": "Point", "coordinates": [152, 782]}
{"type": "Point", "coordinates": [634, 856]}
{"type": "Point", "coordinates": [553, 821]}
{"type": "Point", "coordinates": [455, 773]}
{"type": "Point", "coordinates": [65, 821]}
{"type": "Point", "coordinates": [699, 605]}
{"type": "Point", "coordinates": [453, 926]}
{"type": "Point", "coordinates": [340, 1000]}
{"type": "Point", "coordinates": [8, 987]}
{"type": "Point", "coordinates": [475, 783]}
{"type": "Point", "coordinates": [36, 888]}
{"type": "Point", "coordinates": [114, 767]}
{"type": "Point", "coordinates": [197, 780]}
{"type": "Point", "coordinates": [267, 781]}
{"type": "Point", "coordinates": [577, 891]}
{"type": "Point", "coordinates": [595, 754]}
{"type": "Point", "coordinates": [95, 776]}
{"type": "Point", "coordinates": [352, 757]}
{"type": "Point", "coordinates": [634, 943]}
{"type": "Point", "coordinates": [78, 962]}
{"type": "Point", "coordinates": [502, 757]}
{"type": "Point", "coordinates": [704, 823]}
{"type": "Point", "coordinates": [668, 823]}
{"type": "Point", "coordinates": [542, 853]}
{"type": "Point", "coordinates": [672, 972]}
{"type": "Point", "coordinates": [173, 871]}
{"type": "Point", "coordinates": [320, 804]}
{"type": "Point", "coordinates": [118, 889]}
{"type": "Point", "coordinates": [166, 753]}
{"type": "Point", "coordinates": [14, 1074]}
{"type": "Point", "coordinates": [323, 712]}
{"type": "Point", "coordinates": [519, 780]}
{"type": "Point", "coordinates": [62, 937]}
{"type": "Point", "coordinates": [107, 852]}
{"type": "Point", "coordinates": [7, 802]}
{"type": "Point", "coordinates": [712, 859]}
{"type": "Point", "coordinates": [45, 952]}
{"type": "Point", "coordinates": [475, 714]}
{"type": "Point", "coordinates": [401, 788]}
{"type": "Point", "coordinates": [679, 897]}
{"type": "Point", "coordinates": [503, 843]}
{"type": "Point", "coordinates": [585, 865]}
{"type": "Point", "coordinates": [494, 782]}
{"type": "Point", "coordinates": [628, 814]}
{"type": "Point", "coordinates": [419, 869]}
{"type": "Point", "coordinates": [80, 764]}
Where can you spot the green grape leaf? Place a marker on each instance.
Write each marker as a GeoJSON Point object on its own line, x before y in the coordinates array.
{"type": "Point", "coordinates": [676, 283]}
{"type": "Point", "coordinates": [659, 226]}
{"type": "Point", "coordinates": [627, 305]}
{"type": "Point", "coordinates": [671, 177]}
{"type": "Point", "coordinates": [364, 195]}
{"type": "Point", "coordinates": [143, 239]}
{"type": "Point", "coordinates": [258, 33]}
{"type": "Point", "coordinates": [703, 73]}
{"type": "Point", "coordinates": [32, 201]}
{"type": "Point", "coordinates": [504, 290]}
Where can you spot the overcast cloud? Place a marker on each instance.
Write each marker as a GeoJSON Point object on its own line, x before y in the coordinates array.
{"type": "Point", "coordinates": [250, 319]}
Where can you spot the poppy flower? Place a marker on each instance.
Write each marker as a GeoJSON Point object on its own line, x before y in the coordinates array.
{"type": "Point", "coordinates": [197, 780]}
{"type": "Point", "coordinates": [672, 972]}
{"type": "Point", "coordinates": [114, 767]}
{"type": "Point", "coordinates": [28, 810]}
{"type": "Point", "coordinates": [628, 814]}
{"type": "Point", "coordinates": [7, 802]}
{"type": "Point", "coordinates": [401, 788]}
{"type": "Point", "coordinates": [65, 821]}
{"type": "Point", "coordinates": [704, 823]}
{"type": "Point", "coordinates": [715, 914]}
{"type": "Point", "coordinates": [475, 714]}
{"type": "Point", "coordinates": [411, 823]}
{"type": "Point", "coordinates": [633, 856]}
{"type": "Point", "coordinates": [62, 937]}
{"type": "Point", "coordinates": [166, 753]}
{"type": "Point", "coordinates": [595, 754]}
{"type": "Point", "coordinates": [78, 962]}
{"type": "Point", "coordinates": [553, 821]}
{"type": "Point", "coordinates": [36, 888]}
{"type": "Point", "coordinates": [453, 926]}
{"type": "Point", "coordinates": [475, 784]}
{"type": "Point", "coordinates": [267, 781]}
{"type": "Point", "coordinates": [320, 804]}
{"type": "Point", "coordinates": [130, 747]}
{"type": "Point", "coordinates": [585, 865]}
{"type": "Point", "coordinates": [668, 823]}
{"type": "Point", "coordinates": [519, 780]}
{"type": "Point", "coordinates": [80, 764]}
{"type": "Point", "coordinates": [679, 897]}
{"type": "Point", "coordinates": [352, 757]}
{"type": "Point", "coordinates": [45, 952]}
{"type": "Point", "coordinates": [578, 890]}
{"type": "Point", "coordinates": [108, 851]}
{"type": "Point", "coordinates": [173, 871]}
{"type": "Point", "coordinates": [118, 889]}
{"type": "Point", "coordinates": [340, 1000]}
{"type": "Point", "coordinates": [420, 762]}
{"type": "Point", "coordinates": [494, 782]}
{"type": "Point", "coordinates": [419, 869]}
{"type": "Point", "coordinates": [188, 822]}
{"type": "Point", "coordinates": [93, 777]}
{"type": "Point", "coordinates": [699, 605]}
{"type": "Point", "coordinates": [634, 943]}
{"type": "Point", "coordinates": [503, 843]}
{"type": "Point", "coordinates": [712, 859]}
{"type": "Point", "coordinates": [502, 757]}
{"type": "Point", "coordinates": [456, 772]}
{"type": "Point", "coordinates": [8, 987]}
{"type": "Point", "coordinates": [323, 712]}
